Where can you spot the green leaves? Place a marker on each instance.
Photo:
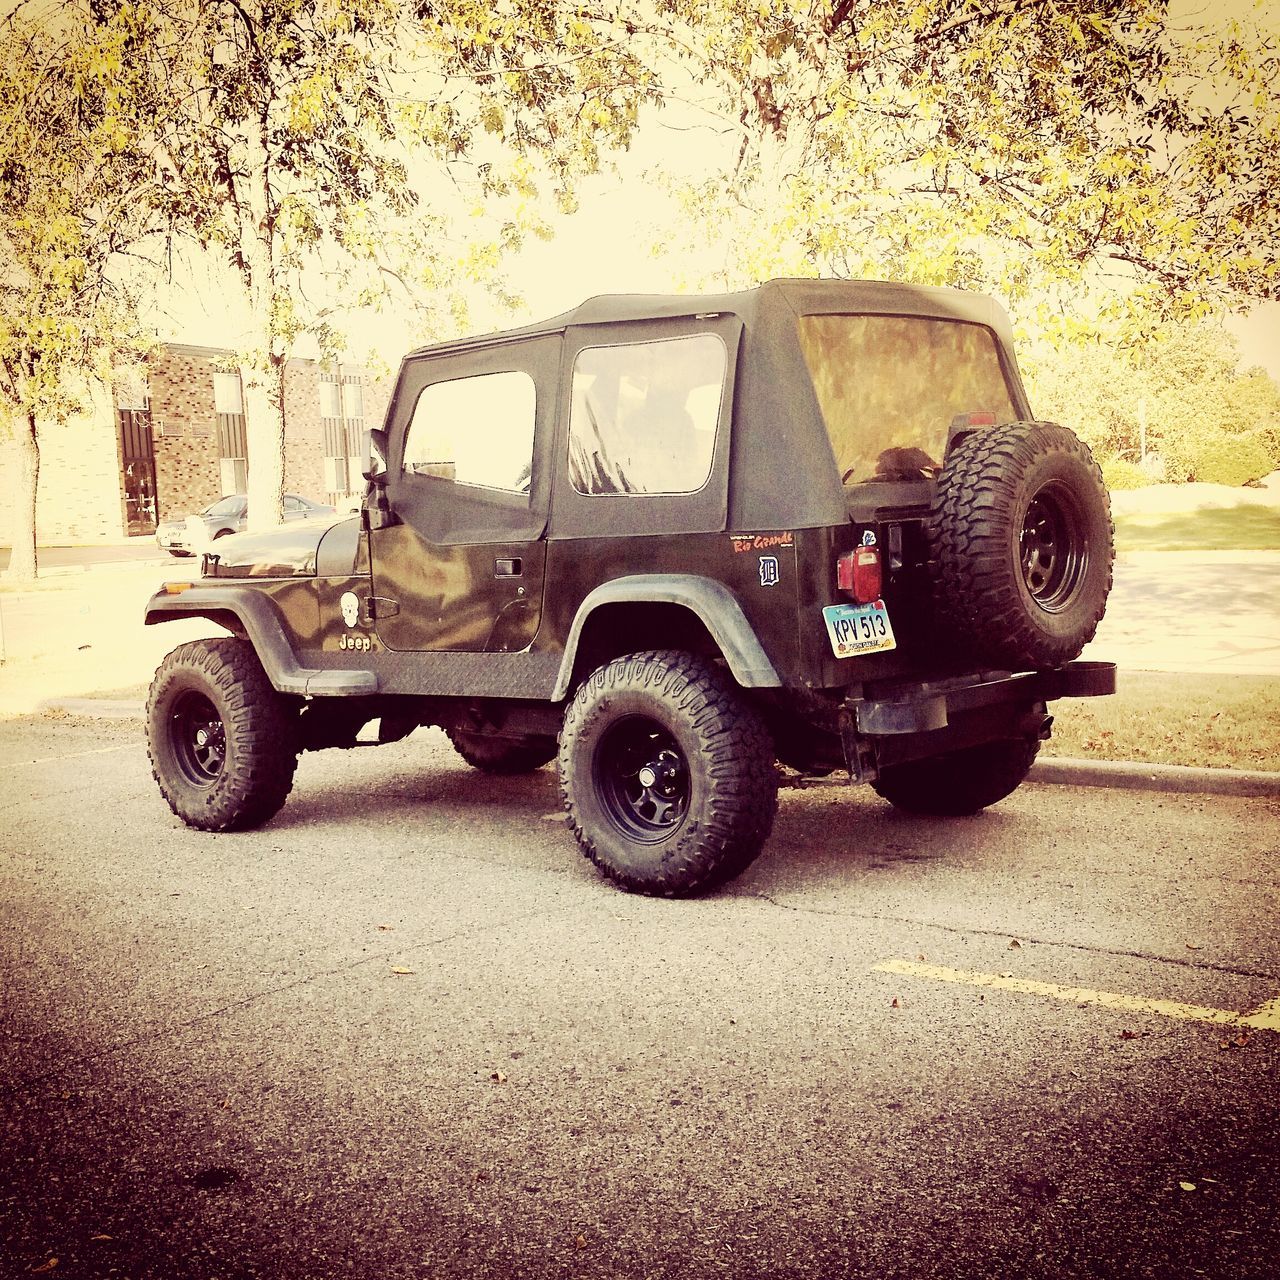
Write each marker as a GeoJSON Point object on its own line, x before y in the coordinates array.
{"type": "Point", "coordinates": [1020, 148]}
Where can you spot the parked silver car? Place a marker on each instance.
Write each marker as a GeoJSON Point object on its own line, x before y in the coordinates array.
{"type": "Point", "coordinates": [190, 535]}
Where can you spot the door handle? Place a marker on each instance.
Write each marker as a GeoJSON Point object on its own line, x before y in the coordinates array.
{"type": "Point", "coordinates": [507, 567]}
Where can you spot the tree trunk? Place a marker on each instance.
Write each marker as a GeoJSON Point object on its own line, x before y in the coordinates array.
{"type": "Point", "coordinates": [23, 561]}
{"type": "Point", "coordinates": [263, 378]}
{"type": "Point", "coordinates": [264, 430]}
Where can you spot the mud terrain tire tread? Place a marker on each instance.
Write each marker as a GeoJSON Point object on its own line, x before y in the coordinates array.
{"type": "Point", "coordinates": [261, 736]}
{"type": "Point", "coordinates": [730, 756]}
{"type": "Point", "coordinates": [981, 500]}
{"type": "Point", "coordinates": [959, 783]}
{"type": "Point", "coordinates": [502, 756]}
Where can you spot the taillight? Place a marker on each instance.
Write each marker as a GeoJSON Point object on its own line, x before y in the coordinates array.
{"type": "Point", "coordinates": [858, 574]}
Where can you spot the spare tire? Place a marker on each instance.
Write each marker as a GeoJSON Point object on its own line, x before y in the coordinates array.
{"type": "Point", "coordinates": [1021, 545]}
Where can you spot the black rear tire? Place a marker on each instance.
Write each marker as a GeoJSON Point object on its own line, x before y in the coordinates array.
{"type": "Point", "coordinates": [666, 773]}
{"type": "Point", "coordinates": [1022, 545]}
{"type": "Point", "coordinates": [223, 742]}
{"type": "Point", "coordinates": [503, 756]}
{"type": "Point", "coordinates": [959, 783]}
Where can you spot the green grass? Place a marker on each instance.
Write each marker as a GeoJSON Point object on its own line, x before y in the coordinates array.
{"type": "Point", "coordinates": [1218, 721]}
{"type": "Point", "coordinates": [1248, 527]}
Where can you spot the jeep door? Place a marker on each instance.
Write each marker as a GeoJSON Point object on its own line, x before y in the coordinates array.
{"type": "Point", "coordinates": [460, 567]}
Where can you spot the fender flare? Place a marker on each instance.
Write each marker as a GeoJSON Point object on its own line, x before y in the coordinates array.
{"type": "Point", "coordinates": [711, 602]}
{"type": "Point", "coordinates": [261, 624]}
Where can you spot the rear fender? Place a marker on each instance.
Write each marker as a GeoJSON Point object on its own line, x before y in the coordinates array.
{"type": "Point", "coordinates": [712, 603]}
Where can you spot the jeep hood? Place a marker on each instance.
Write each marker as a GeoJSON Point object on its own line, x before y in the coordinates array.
{"type": "Point", "coordinates": [289, 551]}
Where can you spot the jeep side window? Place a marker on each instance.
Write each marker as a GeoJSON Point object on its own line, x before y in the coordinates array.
{"type": "Point", "coordinates": [643, 417]}
{"type": "Point", "coordinates": [474, 431]}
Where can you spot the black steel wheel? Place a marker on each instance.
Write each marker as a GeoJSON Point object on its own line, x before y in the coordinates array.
{"type": "Point", "coordinates": [1053, 547]}
{"type": "Point", "coordinates": [223, 742]}
{"type": "Point", "coordinates": [1021, 545]}
{"type": "Point", "coordinates": [198, 738]}
{"type": "Point", "coordinates": [642, 779]}
{"type": "Point", "coordinates": [961, 782]}
{"type": "Point", "coordinates": [666, 773]}
{"type": "Point", "coordinates": [503, 756]}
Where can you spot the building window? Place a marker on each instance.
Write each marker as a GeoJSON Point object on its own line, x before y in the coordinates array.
{"type": "Point", "coordinates": [227, 397]}
{"type": "Point", "coordinates": [342, 420]}
{"type": "Point", "coordinates": [330, 397]}
{"type": "Point", "coordinates": [233, 447]}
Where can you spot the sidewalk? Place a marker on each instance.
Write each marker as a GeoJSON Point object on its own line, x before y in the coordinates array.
{"type": "Point", "coordinates": [74, 559]}
{"type": "Point", "coordinates": [82, 635]}
{"type": "Point", "coordinates": [78, 641]}
{"type": "Point", "coordinates": [1196, 611]}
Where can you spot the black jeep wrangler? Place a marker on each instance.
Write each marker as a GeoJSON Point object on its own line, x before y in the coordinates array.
{"type": "Point", "coordinates": [674, 541]}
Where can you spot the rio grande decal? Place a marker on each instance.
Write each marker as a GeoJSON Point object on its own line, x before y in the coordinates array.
{"type": "Point", "coordinates": [760, 541]}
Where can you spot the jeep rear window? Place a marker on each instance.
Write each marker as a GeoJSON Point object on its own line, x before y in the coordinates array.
{"type": "Point", "coordinates": [890, 386]}
{"type": "Point", "coordinates": [644, 415]}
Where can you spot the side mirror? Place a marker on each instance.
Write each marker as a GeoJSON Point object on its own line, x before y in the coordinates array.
{"type": "Point", "coordinates": [374, 465]}
{"type": "Point", "coordinates": [376, 509]}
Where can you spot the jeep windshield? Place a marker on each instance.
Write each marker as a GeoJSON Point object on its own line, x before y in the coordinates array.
{"type": "Point", "coordinates": [889, 388]}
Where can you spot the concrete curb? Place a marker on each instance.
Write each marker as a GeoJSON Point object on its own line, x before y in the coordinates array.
{"type": "Point", "coordinates": [1127, 775]}
{"type": "Point", "coordinates": [1135, 776]}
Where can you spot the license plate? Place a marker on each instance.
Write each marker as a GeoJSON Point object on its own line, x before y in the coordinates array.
{"type": "Point", "coordinates": [858, 628]}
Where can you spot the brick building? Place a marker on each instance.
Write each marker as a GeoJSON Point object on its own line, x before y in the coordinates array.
{"type": "Point", "coordinates": [175, 441]}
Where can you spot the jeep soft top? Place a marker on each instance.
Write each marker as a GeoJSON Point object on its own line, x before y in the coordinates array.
{"type": "Point", "coordinates": [672, 540]}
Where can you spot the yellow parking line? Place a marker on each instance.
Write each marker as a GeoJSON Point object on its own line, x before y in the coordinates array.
{"type": "Point", "coordinates": [1265, 1018]}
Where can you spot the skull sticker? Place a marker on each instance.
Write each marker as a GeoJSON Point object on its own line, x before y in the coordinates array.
{"type": "Point", "coordinates": [350, 603]}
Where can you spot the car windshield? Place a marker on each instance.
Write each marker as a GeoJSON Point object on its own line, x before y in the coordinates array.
{"type": "Point", "coordinates": [224, 507]}
{"type": "Point", "coordinates": [889, 388]}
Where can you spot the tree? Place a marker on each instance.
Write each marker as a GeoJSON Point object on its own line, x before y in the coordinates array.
{"type": "Point", "coordinates": [310, 130]}
{"type": "Point", "coordinates": [70, 174]}
{"type": "Point", "coordinates": [1025, 147]}
{"type": "Point", "coordinates": [1179, 405]}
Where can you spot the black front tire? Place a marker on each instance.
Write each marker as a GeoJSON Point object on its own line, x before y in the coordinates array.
{"type": "Point", "coordinates": [223, 742]}
{"type": "Point", "coordinates": [959, 783]}
{"type": "Point", "coordinates": [503, 756]}
{"type": "Point", "coordinates": [666, 773]}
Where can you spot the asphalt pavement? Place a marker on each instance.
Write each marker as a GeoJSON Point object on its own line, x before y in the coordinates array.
{"type": "Point", "coordinates": [405, 1030]}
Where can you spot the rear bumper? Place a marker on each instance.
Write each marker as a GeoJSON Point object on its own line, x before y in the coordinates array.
{"type": "Point", "coordinates": [928, 707]}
